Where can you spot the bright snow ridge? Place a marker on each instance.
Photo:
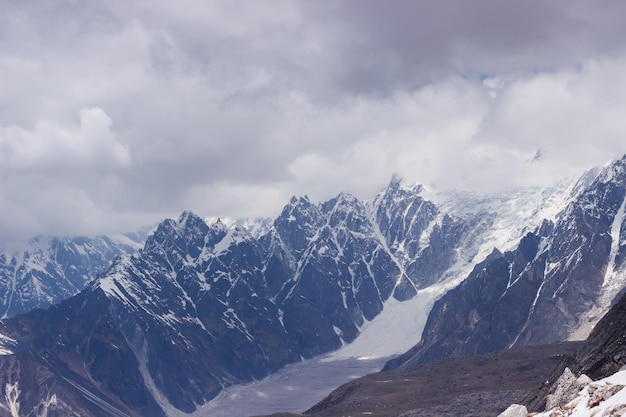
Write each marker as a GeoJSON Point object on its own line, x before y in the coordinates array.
{"type": "Point", "coordinates": [515, 212]}
{"type": "Point", "coordinates": [256, 227]}
{"type": "Point", "coordinates": [5, 344]}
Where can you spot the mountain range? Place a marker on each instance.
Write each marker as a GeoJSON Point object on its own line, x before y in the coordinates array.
{"type": "Point", "coordinates": [554, 286]}
{"type": "Point", "coordinates": [206, 305]}
{"type": "Point", "coordinates": [47, 270]}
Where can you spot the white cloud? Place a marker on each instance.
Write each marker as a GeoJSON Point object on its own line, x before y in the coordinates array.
{"type": "Point", "coordinates": [572, 115]}
{"type": "Point", "coordinates": [32, 205]}
{"type": "Point", "coordinates": [417, 134]}
{"type": "Point", "coordinates": [51, 147]}
{"type": "Point", "coordinates": [230, 110]}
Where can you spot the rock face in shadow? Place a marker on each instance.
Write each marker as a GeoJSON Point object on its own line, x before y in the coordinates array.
{"type": "Point", "coordinates": [557, 283]}
{"type": "Point", "coordinates": [604, 352]}
{"type": "Point", "coordinates": [60, 371]}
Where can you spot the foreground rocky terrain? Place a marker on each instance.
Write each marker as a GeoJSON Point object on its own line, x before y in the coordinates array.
{"type": "Point", "coordinates": [481, 385]}
{"type": "Point", "coordinates": [556, 378]}
{"type": "Point", "coordinates": [602, 355]}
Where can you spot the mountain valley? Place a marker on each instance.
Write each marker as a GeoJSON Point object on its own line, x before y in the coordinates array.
{"type": "Point", "coordinates": [204, 306]}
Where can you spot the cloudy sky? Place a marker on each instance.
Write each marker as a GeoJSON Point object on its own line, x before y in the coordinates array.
{"type": "Point", "coordinates": [116, 113]}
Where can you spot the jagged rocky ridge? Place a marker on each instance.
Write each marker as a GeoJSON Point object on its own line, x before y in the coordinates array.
{"type": "Point", "coordinates": [50, 269]}
{"type": "Point", "coordinates": [502, 301]}
{"type": "Point", "coordinates": [205, 306]}
{"type": "Point", "coordinates": [554, 286]}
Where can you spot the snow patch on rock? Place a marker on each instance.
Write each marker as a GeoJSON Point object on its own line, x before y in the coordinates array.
{"type": "Point", "coordinates": [605, 397]}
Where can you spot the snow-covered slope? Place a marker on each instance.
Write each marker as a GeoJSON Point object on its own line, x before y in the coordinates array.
{"type": "Point", "coordinates": [513, 213]}
{"type": "Point", "coordinates": [394, 330]}
{"type": "Point", "coordinates": [46, 270]}
{"type": "Point", "coordinates": [256, 227]}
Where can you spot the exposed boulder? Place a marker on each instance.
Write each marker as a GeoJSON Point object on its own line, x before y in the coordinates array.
{"type": "Point", "coordinates": [515, 410]}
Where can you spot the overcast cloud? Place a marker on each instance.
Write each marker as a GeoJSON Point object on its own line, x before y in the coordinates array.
{"type": "Point", "coordinates": [115, 114]}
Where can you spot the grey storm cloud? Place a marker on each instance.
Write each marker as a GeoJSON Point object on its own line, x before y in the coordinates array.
{"type": "Point", "coordinates": [114, 114]}
{"type": "Point", "coordinates": [405, 43]}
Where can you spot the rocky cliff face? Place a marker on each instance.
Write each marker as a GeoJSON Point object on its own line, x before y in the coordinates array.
{"type": "Point", "coordinates": [554, 286]}
{"type": "Point", "coordinates": [604, 352]}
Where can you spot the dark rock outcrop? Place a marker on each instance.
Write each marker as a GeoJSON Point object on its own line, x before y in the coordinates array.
{"type": "Point", "coordinates": [604, 351]}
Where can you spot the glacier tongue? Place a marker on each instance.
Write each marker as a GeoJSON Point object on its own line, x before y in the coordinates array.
{"type": "Point", "coordinates": [609, 285]}
{"type": "Point", "coordinates": [395, 330]}
{"type": "Point", "coordinates": [293, 389]}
